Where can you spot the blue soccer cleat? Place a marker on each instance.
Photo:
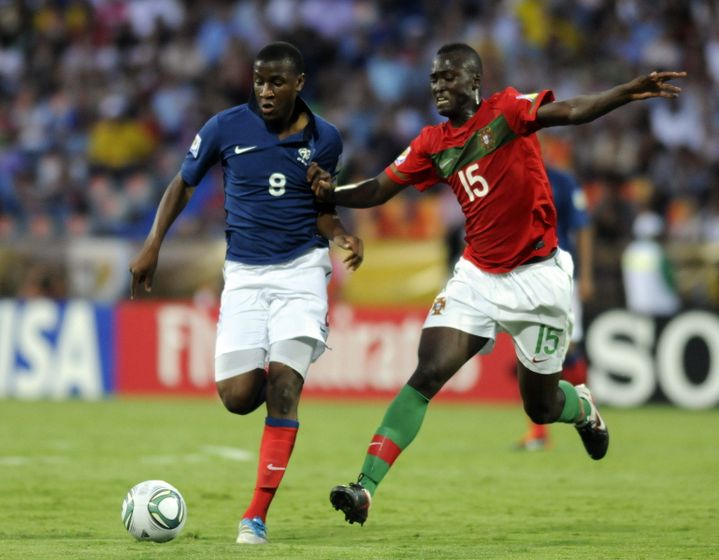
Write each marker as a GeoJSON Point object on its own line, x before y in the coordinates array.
{"type": "Point", "coordinates": [252, 531]}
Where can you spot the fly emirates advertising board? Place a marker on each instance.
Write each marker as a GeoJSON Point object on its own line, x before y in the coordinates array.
{"type": "Point", "coordinates": [78, 349]}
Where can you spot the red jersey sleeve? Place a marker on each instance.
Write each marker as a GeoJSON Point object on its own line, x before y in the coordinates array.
{"type": "Point", "coordinates": [414, 166]}
{"type": "Point", "coordinates": [520, 109]}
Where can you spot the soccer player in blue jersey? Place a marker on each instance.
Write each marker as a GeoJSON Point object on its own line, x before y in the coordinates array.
{"type": "Point", "coordinates": [273, 311]}
{"type": "Point", "coordinates": [574, 234]}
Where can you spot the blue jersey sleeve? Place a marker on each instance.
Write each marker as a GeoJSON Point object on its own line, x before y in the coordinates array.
{"type": "Point", "coordinates": [328, 157]}
{"type": "Point", "coordinates": [203, 154]}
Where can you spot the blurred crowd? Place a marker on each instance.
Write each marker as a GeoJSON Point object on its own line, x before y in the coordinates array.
{"type": "Point", "coordinates": [100, 100]}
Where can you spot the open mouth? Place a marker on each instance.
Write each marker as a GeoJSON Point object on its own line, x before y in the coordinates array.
{"type": "Point", "coordinates": [441, 101]}
{"type": "Point", "coordinates": [267, 108]}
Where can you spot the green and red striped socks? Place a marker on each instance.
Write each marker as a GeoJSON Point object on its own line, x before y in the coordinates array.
{"type": "Point", "coordinates": [575, 409]}
{"type": "Point", "coordinates": [400, 425]}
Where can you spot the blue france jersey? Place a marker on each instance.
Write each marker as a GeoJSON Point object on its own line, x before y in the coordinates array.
{"type": "Point", "coordinates": [271, 213]}
{"type": "Point", "coordinates": [571, 208]}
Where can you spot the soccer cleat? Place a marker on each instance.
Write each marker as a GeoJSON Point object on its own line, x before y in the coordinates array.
{"type": "Point", "coordinates": [354, 500]}
{"type": "Point", "coordinates": [252, 531]}
{"type": "Point", "coordinates": [592, 429]}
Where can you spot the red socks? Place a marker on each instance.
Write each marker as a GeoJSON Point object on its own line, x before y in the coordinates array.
{"type": "Point", "coordinates": [537, 431]}
{"type": "Point", "coordinates": [278, 439]}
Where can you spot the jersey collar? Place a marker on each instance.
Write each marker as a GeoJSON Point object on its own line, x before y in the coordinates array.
{"type": "Point", "coordinates": [310, 131]}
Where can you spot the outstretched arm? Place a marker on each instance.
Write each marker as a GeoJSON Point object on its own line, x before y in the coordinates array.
{"type": "Point", "coordinates": [143, 266]}
{"type": "Point", "coordinates": [364, 194]}
{"type": "Point", "coordinates": [586, 108]}
{"type": "Point", "coordinates": [330, 227]}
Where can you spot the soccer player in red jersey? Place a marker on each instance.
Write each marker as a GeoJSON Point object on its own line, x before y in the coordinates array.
{"type": "Point", "coordinates": [512, 276]}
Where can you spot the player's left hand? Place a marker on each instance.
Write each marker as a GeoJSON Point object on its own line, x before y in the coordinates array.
{"type": "Point", "coordinates": [655, 85]}
{"type": "Point", "coordinates": [355, 246]}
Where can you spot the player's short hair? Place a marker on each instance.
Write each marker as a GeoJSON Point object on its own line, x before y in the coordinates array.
{"type": "Point", "coordinates": [465, 50]}
{"type": "Point", "coordinates": [281, 50]}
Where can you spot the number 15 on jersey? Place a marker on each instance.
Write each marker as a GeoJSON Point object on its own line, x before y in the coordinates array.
{"type": "Point", "coordinates": [469, 178]}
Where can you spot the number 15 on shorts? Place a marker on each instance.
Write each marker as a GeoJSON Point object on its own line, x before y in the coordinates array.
{"type": "Point", "coordinates": [548, 340]}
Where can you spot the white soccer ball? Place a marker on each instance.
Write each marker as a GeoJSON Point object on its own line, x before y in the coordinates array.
{"type": "Point", "coordinates": [154, 510]}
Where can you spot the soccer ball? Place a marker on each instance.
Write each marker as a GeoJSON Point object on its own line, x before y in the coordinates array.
{"type": "Point", "coordinates": [154, 511]}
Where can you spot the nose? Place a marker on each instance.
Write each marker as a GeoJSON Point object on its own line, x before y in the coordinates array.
{"type": "Point", "coordinates": [266, 90]}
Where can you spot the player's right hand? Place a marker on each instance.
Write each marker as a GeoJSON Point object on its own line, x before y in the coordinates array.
{"type": "Point", "coordinates": [320, 182]}
{"type": "Point", "coordinates": [142, 269]}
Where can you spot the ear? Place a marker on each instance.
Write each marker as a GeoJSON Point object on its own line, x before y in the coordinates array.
{"type": "Point", "coordinates": [477, 88]}
{"type": "Point", "coordinates": [477, 82]}
{"type": "Point", "coordinates": [300, 83]}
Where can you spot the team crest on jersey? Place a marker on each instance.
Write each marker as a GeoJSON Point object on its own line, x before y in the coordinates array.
{"type": "Point", "coordinates": [487, 138]}
{"type": "Point", "coordinates": [438, 306]}
{"type": "Point", "coordinates": [303, 155]}
{"type": "Point", "coordinates": [195, 148]}
{"type": "Point", "coordinates": [403, 156]}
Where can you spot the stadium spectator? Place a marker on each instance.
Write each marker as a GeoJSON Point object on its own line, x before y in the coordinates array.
{"type": "Point", "coordinates": [648, 275]}
{"type": "Point", "coordinates": [512, 276]}
{"type": "Point", "coordinates": [273, 311]}
{"type": "Point", "coordinates": [119, 142]}
{"type": "Point", "coordinates": [89, 50]}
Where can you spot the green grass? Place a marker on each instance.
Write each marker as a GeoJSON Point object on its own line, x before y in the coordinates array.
{"type": "Point", "coordinates": [458, 492]}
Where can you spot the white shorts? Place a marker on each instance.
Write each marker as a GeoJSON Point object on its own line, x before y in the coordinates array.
{"type": "Point", "coordinates": [264, 304]}
{"type": "Point", "coordinates": [532, 303]}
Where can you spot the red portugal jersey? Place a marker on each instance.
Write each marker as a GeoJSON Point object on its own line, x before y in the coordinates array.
{"type": "Point", "coordinates": [494, 165]}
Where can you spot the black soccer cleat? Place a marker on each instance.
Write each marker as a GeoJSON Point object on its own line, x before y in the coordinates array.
{"type": "Point", "coordinates": [593, 430]}
{"type": "Point", "coordinates": [354, 500]}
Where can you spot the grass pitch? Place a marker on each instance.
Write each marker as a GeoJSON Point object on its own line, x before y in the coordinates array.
{"type": "Point", "coordinates": [458, 492]}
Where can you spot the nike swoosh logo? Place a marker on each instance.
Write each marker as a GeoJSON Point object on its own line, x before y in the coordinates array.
{"type": "Point", "coordinates": [536, 361]}
{"type": "Point", "coordinates": [239, 150]}
{"type": "Point", "coordinates": [375, 443]}
{"type": "Point", "coordinates": [271, 467]}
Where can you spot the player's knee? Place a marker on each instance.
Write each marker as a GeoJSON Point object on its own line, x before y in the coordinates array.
{"type": "Point", "coordinates": [236, 402]}
{"type": "Point", "coordinates": [428, 379]}
{"type": "Point", "coordinates": [237, 405]}
{"type": "Point", "coordinates": [540, 412]}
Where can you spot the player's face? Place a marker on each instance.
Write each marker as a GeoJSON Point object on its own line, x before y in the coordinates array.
{"type": "Point", "coordinates": [453, 85]}
{"type": "Point", "coordinates": [276, 87]}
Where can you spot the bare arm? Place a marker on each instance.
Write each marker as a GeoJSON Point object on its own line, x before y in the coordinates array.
{"type": "Point", "coordinates": [143, 266]}
{"type": "Point", "coordinates": [364, 194]}
{"type": "Point", "coordinates": [586, 108]}
{"type": "Point", "coordinates": [330, 226]}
